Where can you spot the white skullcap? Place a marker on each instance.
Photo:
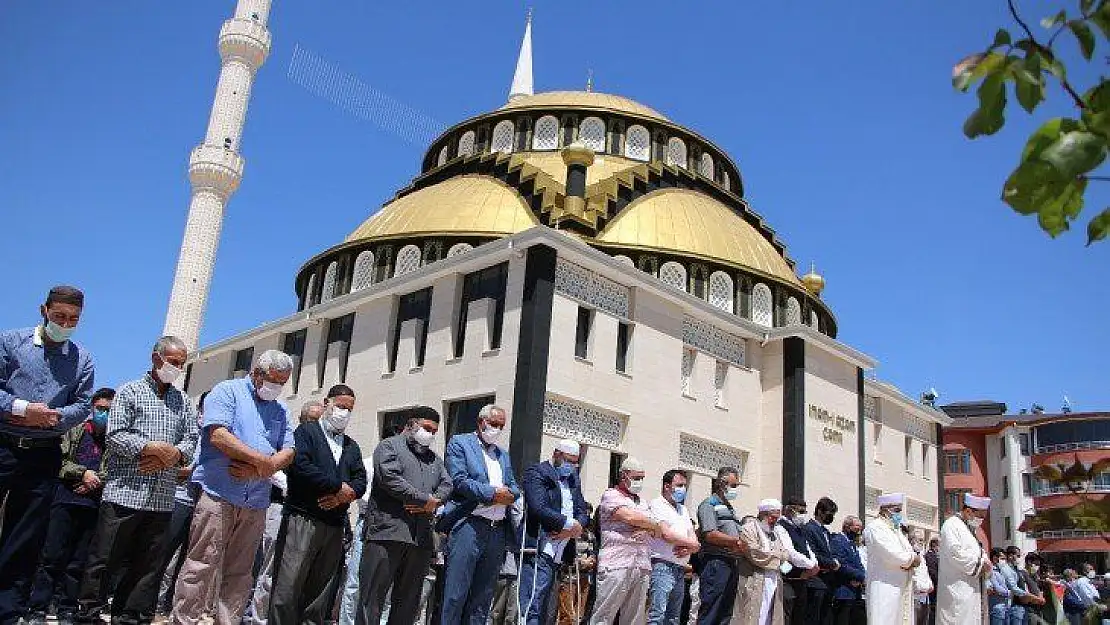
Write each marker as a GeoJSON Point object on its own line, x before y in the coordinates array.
{"type": "Point", "coordinates": [632, 464]}
{"type": "Point", "coordinates": [767, 505]}
{"type": "Point", "coordinates": [892, 499]}
{"type": "Point", "coordinates": [978, 503]}
{"type": "Point", "coordinates": [568, 447]}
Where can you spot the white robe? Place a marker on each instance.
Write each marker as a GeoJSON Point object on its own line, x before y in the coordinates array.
{"type": "Point", "coordinates": [959, 580]}
{"type": "Point", "coordinates": [889, 586]}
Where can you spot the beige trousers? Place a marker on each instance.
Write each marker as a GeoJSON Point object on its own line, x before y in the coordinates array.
{"type": "Point", "coordinates": [624, 591]}
{"type": "Point", "coordinates": [223, 539]}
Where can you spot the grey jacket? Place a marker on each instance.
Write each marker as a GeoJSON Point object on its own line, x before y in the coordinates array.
{"type": "Point", "coordinates": [404, 474]}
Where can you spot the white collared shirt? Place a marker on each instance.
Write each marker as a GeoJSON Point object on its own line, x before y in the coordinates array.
{"type": "Point", "coordinates": [493, 512]}
{"type": "Point", "coordinates": [335, 441]}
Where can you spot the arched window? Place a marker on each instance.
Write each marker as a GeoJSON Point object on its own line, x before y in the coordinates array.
{"type": "Point", "coordinates": [813, 319]}
{"type": "Point", "coordinates": [726, 182]}
{"type": "Point", "coordinates": [327, 292]}
{"type": "Point", "coordinates": [546, 134]}
{"type": "Point", "coordinates": [621, 258]}
{"type": "Point", "coordinates": [466, 143]}
{"type": "Point", "coordinates": [364, 271]}
{"type": "Point", "coordinates": [676, 152]}
{"type": "Point", "coordinates": [459, 248]}
{"type": "Point", "coordinates": [443, 155]}
{"type": "Point", "coordinates": [310, 292]}
{"type": "Point", "coordinates": [762, 305]}
{"type": "Point", "coordinates": [673, 275]}
{"type": "Point", "coordinates": [637, 143]}
{"type": "Point", "coordinates": [408, 260]}
{"type": "Point", "coordinates": [591, 132]}
{"type": "Point", "coordinates": [705, 165]}
{"type": "Point", "coordinates": [722, 294]}
{"type": "Point", "coordinates": [503, 134]}
{"type": "Point", "coordinates": [793, 312]}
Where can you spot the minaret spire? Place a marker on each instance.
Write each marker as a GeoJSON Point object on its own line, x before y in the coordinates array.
{"type": "Point", "coordinates": [522, 78]}
{"type": "Point", "coordinates": [215, 167]}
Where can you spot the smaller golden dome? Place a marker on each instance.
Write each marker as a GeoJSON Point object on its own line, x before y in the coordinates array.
{"type": "Point", "coordinates": [813, 281]}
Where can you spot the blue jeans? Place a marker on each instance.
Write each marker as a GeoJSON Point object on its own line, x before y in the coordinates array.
{"type": "Point", "coordinates": [1016, 615]}
{"type": "Point", "coordinates": [666, 592]}
{"type": "Point", "coordinates": [475, 554]}
{"type": "Point", "coordinates": [998, 612]}
{"type": "Point", "coordinates": [541, 569]}
{"type": "Point", "coordinates": [349, 603]}
{"type": "Point", "coordinates": [719, 580]}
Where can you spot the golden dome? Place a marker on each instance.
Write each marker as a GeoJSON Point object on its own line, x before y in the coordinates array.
{"type": "Point", "coordinates": [472, 204]}
{"type": "Point", "coordinates": [585, 100]}
{"type": "Point", "coordinates": [813, 282]}
{"type": "Point", "coordinates": [689, 223]}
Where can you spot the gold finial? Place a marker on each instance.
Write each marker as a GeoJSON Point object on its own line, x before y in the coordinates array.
{"type": "Point", "coordinates": [589, 81]}
{"type": "Point", "coordinates": [813, 281]}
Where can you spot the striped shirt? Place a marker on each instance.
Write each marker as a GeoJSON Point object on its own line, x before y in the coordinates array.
{"type": "Point", "coordinates": [139, 416]}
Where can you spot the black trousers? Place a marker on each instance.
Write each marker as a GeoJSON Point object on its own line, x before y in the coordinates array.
{"type": "Point", "coordinates": [795, 597]}
{"type": "Point", "coordinates": [849, 612]}
{"type": "Point", "coordinates": [389, 563]}
{"type": "Point", "coordinates": [128, 542]}
{"type": "Point", "coordinates": [307, 554]}
{"type": "Point", "coordinates": [818, 607]}
{"type": "Point", "coordinates": [27, 479]}
{"type": "Point", "coordinates": [68, 537]}
{"type": "Point", "coordinates": [176, 537]}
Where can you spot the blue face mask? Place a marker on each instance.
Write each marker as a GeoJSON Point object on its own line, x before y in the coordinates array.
{"type": "Point", "coordinates": [679, 494]}
{"type": "Point", "coordinates": [100, 418]}
{"type": "Point", "coordinates": [896, 519]}
{"type": "Point", "coordinates": [566, 469]}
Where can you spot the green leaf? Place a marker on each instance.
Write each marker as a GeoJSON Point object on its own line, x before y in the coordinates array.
{"type": "Point", "coordinates": [1046, 135]}
{"type": "Point", "coordinates": [1036, 187]}
{"type": "Point", "coordinates": [1083, 35]}
{"type": "Point", "coordinates": [1059, 18]}
{"type": "Point", "coordinates": [1101, 18]}
{"type": "Point", "coordinates": [1029, 95]}
{"type": "Point", "coordinates": [974, 67]}
{"type": "Point", "coordinates": [989, 117]}
{"type": "Point", "coordinates": [1075, 153]}
{"type": "Point", "coordinates": [1099, 227]}
{"type": "Point", "coordinates": [1029, 82]}
{"type": "Point", "coordinates": [1001, 38]}
{"type": "Point", "coordinates": [1098, 97]}
{"type": "Point", "coordinates": [1085, 6]}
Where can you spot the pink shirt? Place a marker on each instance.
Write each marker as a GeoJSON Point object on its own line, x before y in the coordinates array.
{"type": "Point", "coordinates": [619, 550]}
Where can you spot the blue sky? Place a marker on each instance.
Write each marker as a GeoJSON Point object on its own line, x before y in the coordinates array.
{"type": "Point", "coordinates": [840, 116]}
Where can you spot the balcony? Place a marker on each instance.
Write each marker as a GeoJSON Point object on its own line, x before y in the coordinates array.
{"type": "Point", "coordinates": [1077, 446]}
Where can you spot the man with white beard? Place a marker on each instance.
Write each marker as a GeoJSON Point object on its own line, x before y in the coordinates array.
{"type": "Point", "coordinates": [963, 564]}
{"type": "Point", "coordinates": [890, 564]}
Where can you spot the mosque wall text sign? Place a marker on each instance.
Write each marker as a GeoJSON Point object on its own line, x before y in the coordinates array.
{"type": "Point", "coordinates": [834, 425]}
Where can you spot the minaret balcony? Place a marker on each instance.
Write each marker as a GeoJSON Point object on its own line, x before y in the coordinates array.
{"type": "Point", "coordinates": [211, 166]}
{"type": "Point", "coordinates": [246, 40]}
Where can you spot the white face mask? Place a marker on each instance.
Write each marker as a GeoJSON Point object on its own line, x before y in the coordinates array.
{"type": "Point", "coordinates": [167, 373]}
{"type": "Point", "coordinates": [635, 486]}
{"type": "Point", "coordinates": [490, 434]}
{"type": "Point", "coordinates": [801, 518]}
{"type": "Point", "coordinates": [57, 333]}
{"type": "Point", "coordinates": [270, 391]}
{"type": "Point", "coordinates": [422, 437]}
{"type": "Point", "coordinates": [338, 418]}
{"type": "Point", "coordinates": [974, 522]}
{"type": "Point", "coordinates": [1090, 574]}
{"type": "Point", "coordinates": [732, 493]}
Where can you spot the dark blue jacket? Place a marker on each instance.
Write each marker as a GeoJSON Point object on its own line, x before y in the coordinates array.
{"type": "Point", "coordinates": [851, 568]}
{"type": "Point", "coordinates": [544, 501]}
{"type": "Point", "coordinates": [466, 464]}
{"type": "Point", "coordinates": [819, 542]}
{"type": "Point", "coordinates": [314, 473]}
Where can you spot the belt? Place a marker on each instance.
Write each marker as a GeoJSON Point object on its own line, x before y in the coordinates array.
{"type": "Point", "coordinates": [484, 521]}
{"type": "Point", "coordinates": [25, 442]}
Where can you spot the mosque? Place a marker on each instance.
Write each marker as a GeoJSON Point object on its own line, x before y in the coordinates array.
{"type": "Point", "coordinates": [591, 265]}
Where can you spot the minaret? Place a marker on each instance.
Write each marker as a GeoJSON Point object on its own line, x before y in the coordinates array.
{"type": "Point", "coordinates": [215, 167]}
{"type": "Point", "coordinates": [522, 78]}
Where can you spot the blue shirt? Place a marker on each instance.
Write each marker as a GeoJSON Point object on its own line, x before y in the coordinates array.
{"type": "Point", "coordinates": [31, 370]}
{"type": "Point", "coordinates": [261, 425]}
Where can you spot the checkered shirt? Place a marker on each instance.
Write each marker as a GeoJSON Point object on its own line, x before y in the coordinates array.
{"type": "Point", "coordinates": [139, 416]}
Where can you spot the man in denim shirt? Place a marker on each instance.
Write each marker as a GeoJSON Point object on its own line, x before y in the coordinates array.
{"type": "Point", "coordinates": [46, 382]}
{"type": "Point", "coordinates": [246, 437]}
{"type": "Point", "coordinates": [998, 590]}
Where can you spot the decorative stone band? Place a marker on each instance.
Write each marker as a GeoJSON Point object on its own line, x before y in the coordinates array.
{"type": "Point", "coordinates": [713, 341]}
{"type": "Point", "coordinates": [871, 409]}
{"type": "Point", "coordinates": [565, 418]}
{"type": "Point", "coordinates": [705, 456]}
{"type": "Point", "coordinates": [897, 420]}
{"type": "Point", "coordinates": [593, 289]}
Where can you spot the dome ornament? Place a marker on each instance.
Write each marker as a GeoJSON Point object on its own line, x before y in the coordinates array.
{"type": "Point", "coordinates": [589, 81]}
{"type": "Point", "coordinates": [522, 78]}
{"type": "Point", "coordinates": [813, 281]}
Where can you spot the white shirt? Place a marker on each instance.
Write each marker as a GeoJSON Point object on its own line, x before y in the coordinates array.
{"type": "Point", "coordinates": [554, 548]}
{"type": "Point", "coordinates": [797, 559]}
{"type": "Point", "coordinates": [368, 464]}
{"type": "Point", "coordinates": [335, 441]}
{"type": "Point", "coordinates": [493, 512]}
{"type": "Point", "coordinates": [678, 519]}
